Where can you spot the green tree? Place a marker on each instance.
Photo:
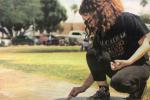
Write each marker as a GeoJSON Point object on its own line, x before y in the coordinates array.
{"type": "Point", "coordinates": [74, 9]}
{"type": "Point", "coordinates": [145, 18]}
{"type": "Point", "coordinates": [18, 14]}
{"type": "Point", "coordinates": [53, 14]}
{"type": "Point", "coordinates": [144, 3]}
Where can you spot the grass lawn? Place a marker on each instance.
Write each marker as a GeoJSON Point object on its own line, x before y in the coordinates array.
{"type": "Point", "coordinates": [57, 62]}
{"type": "Point", "coordinates": [61, 62]}
{"type": "Point", "coordinates": [50, 61]}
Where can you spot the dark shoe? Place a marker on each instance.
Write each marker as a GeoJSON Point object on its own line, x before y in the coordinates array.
{"type": "Point", "coordinates": [132, 98]}
{"type": "Point", "coordinates": [101, 94]}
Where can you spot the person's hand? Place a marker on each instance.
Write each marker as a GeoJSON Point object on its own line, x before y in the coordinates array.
{"type": "Point", "coordinates": [75, 91]}
{"type": "Point", "coordinates": [118, 64]}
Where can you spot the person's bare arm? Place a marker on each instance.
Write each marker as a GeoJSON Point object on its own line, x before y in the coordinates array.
{"type": "Point", "coordinates": [88, 82]}
{"type": "Point", "coordinates": [76, 90]}
{"type": "Point", "coordinates": [140, 52]}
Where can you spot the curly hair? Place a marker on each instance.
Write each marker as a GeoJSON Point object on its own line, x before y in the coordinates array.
{"type": "Point", "coordinates": [105, 10]}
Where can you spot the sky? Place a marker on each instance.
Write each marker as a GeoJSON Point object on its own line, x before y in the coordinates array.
{"type": "Point", "coordinates": [132, 6]}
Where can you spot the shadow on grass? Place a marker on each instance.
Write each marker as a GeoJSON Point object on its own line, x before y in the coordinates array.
{"type": "Point", "coordinates": [47, 51]}
{"type": "Point", "coordinates": [85, 98]}
{"type": "Point", "coordinates": [4, 61]}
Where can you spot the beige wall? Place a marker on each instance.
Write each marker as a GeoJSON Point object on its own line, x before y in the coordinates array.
{"type": "Point", "coordinates": [75, 26]}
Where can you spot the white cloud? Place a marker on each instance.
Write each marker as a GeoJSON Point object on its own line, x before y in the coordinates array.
{"type": "Point", "coordinates": [132, 6]}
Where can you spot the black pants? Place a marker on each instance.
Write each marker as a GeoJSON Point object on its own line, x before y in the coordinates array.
{"type": "Point", "coordinates": [128, 79]}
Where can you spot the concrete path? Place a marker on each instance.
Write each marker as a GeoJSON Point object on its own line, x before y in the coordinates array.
{"type": "Point", "coordinates": [17, 85]}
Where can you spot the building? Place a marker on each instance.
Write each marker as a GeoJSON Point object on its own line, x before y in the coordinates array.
{"type": "Point", "coordinates": [67, 27]}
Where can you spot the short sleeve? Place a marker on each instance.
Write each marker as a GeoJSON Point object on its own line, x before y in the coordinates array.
{"type": "Point", "coordinates": [134, 26]}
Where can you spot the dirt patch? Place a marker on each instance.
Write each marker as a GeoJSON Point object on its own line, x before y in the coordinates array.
{"type": "Point", "coordinates": [17, 85]}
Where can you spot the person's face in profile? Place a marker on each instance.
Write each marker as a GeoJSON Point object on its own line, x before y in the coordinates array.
{"type": "Point", "coordinates": [90, 19]}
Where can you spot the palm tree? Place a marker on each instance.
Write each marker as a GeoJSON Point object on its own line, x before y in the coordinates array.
{"type": "Point", "coordinates": [74, 9]}
{"type": "Point", "coordinates": [144, 3]}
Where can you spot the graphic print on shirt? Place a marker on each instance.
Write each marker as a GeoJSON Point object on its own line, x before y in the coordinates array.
{"type": "Point", "coordinates": [115, 45]}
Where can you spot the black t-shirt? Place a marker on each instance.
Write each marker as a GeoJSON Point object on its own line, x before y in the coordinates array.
{"type": "Point", "coordinates": [121, 41]}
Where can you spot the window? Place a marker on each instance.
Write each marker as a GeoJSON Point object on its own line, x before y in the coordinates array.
{"type": "Point", "coordinates": [76, 33]}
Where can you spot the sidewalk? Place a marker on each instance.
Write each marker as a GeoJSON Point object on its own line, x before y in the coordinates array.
{"type": "Point", "coordinates": [17, 85]}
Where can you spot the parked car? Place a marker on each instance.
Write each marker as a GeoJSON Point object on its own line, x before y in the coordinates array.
{"type": "Point", "coordinates": [5, 42]}
{"type": "Point", "coordinates": [76, 37]}
{"type": "Point", "coordinates": [22, 40]}
{"type": "Point", "coordinates": [53, 40]}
